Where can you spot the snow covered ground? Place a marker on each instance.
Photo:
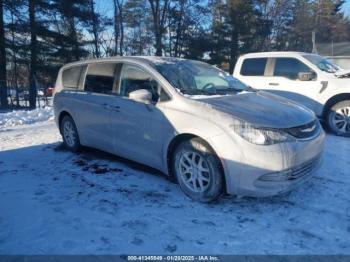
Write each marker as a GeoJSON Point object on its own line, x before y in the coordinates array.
{"type": "Point", "coordinates": [21, 117]}
{"type": "Point", "coordinates": [56, 202]}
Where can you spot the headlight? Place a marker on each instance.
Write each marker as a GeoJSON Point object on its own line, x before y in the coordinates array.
{"type": "Point", "coordinates": [260, 136]}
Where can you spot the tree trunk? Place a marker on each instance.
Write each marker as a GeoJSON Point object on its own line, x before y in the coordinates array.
{"type": "Point", "coordinates": [179, 30]}
{"type": "Point", "coordinates": [116, 27]}
{"type": "Point", "coordinates": [170, 47]}
{"type": "Point", "coordinates": [75, 38]}
{"type": "Point", "coordinates": [121, 25]}
{"type": "Point", "coordinates": [233, 51]}
{"type": "Point", "coordinates": [159, 16]}
{"type": "Point", "coordinates": [14, 53]}
{"type": "Point", "coordinates": [3, 84]}
{"type": "Point", "coordinates": [33, 55]}
{"type": "Point", "coordinates": [95, 29]}
{"type": "Point", "coordinates": [158, 36]}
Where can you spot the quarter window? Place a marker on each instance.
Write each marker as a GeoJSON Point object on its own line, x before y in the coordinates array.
{"type": "Point", "coordinates": [71, 77]}
{"type": "Point", "coordinates": [290, 68]}
{"type": "Point", "coordinates": [134, 78]}
{"type": "Point", "coordinates": [100, 78]}
{"type": "Point", "coordinates": [253, 67]}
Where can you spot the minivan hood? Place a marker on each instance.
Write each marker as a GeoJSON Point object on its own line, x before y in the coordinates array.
{"type": "Point", "coordinates": [262, 109]}
{"type": "Point", "coordinates": [342, 73]}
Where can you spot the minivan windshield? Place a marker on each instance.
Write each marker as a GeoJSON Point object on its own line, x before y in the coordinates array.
{"type": "Point", "coordinates": [322, 63]}
{"type": "Point", "coordinates": [198, 78]}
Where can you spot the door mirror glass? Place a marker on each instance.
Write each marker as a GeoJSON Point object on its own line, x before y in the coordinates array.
{"type": "Point", "coordinates": [141, 96]}
{"type": "Point", "coordinates": [306, 76]}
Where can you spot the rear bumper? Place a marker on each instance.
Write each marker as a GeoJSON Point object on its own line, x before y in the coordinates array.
{"type": "Point", "coordinates": [262, 171]}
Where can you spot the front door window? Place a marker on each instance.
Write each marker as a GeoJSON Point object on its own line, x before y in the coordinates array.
{"type": "Point", "coordinates": [290, 68]}
{"type": "Point", "coordinates": [134, 78]}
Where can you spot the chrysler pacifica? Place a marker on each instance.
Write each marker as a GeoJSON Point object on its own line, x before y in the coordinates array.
{"type": "Point", "coordinates": [190, 120]}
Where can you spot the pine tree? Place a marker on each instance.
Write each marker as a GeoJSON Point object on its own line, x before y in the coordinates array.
{"type": "Point", "coordinates": [3, 79]}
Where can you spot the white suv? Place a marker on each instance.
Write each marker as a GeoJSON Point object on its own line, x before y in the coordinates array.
{"type": "Point", "coordinates": [306, 78]}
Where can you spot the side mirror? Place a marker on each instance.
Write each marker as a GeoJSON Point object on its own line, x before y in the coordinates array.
{"type": "Point", "coordinates": [306, 76]}
{"type": "Point", "coordinates": [141, 95]}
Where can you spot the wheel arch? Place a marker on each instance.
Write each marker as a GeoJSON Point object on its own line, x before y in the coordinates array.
{"type": "Point", "coordinates": [61, 116]}
{"type": "Point", "coordinates": [332, 101]}
{"type": "Point", "coordinates": [176, 141]}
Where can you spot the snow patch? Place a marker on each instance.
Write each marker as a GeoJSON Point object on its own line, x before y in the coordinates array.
{"type": "Point", "coordinates": [201, 96]}
{"type": "Point", "coordinates": [21, 117]}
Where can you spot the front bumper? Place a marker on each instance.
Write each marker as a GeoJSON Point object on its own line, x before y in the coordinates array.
{"type": "Point", "coordinates": [283, 181]}
{"type": "Point", "coordinates": [262, 171]}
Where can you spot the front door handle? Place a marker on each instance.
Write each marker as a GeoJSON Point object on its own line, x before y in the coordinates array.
{"type": "Point", "coordinates": [274, 84]}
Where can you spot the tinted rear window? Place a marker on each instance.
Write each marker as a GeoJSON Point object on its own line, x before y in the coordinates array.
{"type": "Point", "coordinates": [71, 77]}
{"type": "Point", "coordinates": [253, 67]}
{"type": "Point", "coordinates": [100, 78]}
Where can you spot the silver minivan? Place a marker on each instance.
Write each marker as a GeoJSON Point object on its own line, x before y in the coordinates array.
{"type": "Point", "coordinates": [190, 120]}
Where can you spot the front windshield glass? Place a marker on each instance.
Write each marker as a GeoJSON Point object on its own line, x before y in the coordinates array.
{"type": "Point", "coordinates": [198, 78]}
{"type": "Point", "coordinates": [322, 63]}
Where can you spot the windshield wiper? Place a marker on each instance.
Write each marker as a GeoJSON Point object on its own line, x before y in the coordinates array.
{"type": "Point", "coordinates": [196, 92]}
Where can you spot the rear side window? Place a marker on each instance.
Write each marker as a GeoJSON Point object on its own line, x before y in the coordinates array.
{"type": "Point", "coordinates": [253, 67]}
{"type": "Point", "coordinates": [71, 77]}
{"type": "Point", "coordinates": [100, 78]}
{"type": "Point", "coordinates": [290, 68]}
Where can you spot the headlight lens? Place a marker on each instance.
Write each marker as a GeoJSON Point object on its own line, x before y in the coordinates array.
{"type": "Point", "coordinates": [260, 136]}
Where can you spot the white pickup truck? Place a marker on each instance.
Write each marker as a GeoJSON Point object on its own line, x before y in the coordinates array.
{"type": "Point", "coordinates": [306, 78]}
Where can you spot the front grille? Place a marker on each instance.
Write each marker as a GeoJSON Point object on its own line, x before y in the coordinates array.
{"type": "Point", "coordinates": [305, 131]}
{"type": "Point", "coordinates": [293, 173]}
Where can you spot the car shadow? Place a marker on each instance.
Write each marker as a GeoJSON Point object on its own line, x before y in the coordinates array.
{"type": "Point", "coordinates": [87, 154]}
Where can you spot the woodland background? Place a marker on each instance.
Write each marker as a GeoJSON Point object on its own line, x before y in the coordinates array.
{"type": "Point", "coordinates": [38, 36]}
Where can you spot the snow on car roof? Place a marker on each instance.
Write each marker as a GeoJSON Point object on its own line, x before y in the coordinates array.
{"type": "Point", "coordinates": [145, 59]}
{"type": "Point", "coordinates": [271, 54]}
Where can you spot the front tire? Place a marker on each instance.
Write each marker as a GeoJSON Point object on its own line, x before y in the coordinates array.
{"type": "Point", "coordinates": [198, 170]}
{"type": "Point", "coordinates": [70, 134]}
{"type": "Point", "coordinates": [338, 118]}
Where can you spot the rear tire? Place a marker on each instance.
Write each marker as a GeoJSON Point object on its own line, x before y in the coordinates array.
{"type": "Point", "coordinates": [338, 118]}
{"type": "Point", "coordinates": [70, 134]}
{"type": "Point", "coordinates": [198, 170]}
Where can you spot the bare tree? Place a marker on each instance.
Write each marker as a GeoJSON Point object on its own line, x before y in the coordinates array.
{"type": "Point", "coordinates": [159, 9]}
{"type": "Point", "coordinates": [116, 26]}
{"type": "Point", "coordinates": [118, 6]}
{"type": "Point", "coordinates": [95, 29]}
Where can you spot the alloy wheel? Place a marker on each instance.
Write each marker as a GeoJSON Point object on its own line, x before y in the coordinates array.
{"type": "Point", "coordinates": [194, 171]}
{"type": "Point", "coordinates": [341, 120]}
{"type": "Point", "coordinates": [69, 133]}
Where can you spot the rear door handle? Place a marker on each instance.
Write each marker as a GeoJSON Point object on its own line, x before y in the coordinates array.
{"type": "Point", "coordinates": [274, 84]}
{"type": "Point", "coordinates": [108, 106]}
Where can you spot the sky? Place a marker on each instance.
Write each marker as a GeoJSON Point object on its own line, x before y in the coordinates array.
{"type": "Point", "coordinates": [346, 8]}
{"type": "Point", "coordinates": [106, 7]}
